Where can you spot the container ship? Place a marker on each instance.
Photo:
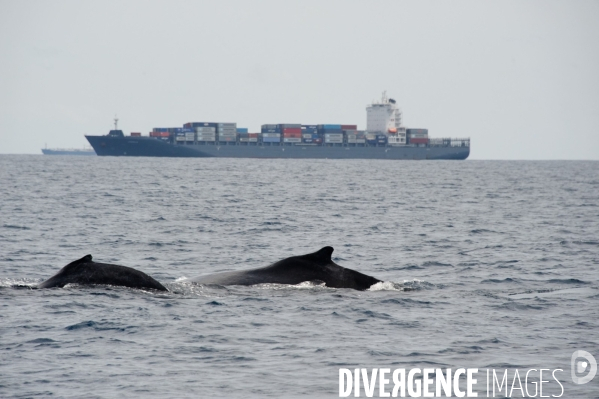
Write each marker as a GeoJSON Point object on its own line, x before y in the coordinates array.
{"type": "Point", "coordinates": [68, 151]}
{"type": "Point", "coordinates": [385, 137]}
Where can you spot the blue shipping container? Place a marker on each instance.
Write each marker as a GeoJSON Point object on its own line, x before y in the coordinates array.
{"type": "Point", "coordinates": [271, 139]}
{"type": "Point", "coordinates": [271, 131]}
{"type": "Point", "coordinates": [329, 127]}
{"type": "Point", "coordinates": [202, 124]}
{"type": "Point", "coordinates": [242, 130]}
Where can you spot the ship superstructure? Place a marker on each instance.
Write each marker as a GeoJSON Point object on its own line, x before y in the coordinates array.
{"type": "Point", "coordinates": [385, 117]}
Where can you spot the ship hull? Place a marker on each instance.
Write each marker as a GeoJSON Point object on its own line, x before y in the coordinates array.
{"type": "Point", "coordinates": [47, 151]}
{"type": "Point", "coordinates": [149, 147]}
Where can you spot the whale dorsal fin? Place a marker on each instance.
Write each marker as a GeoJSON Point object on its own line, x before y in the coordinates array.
{"type": "Point", "coordinates": [85, 259]}
{"type": "Point", "coordinates": [324, 254]}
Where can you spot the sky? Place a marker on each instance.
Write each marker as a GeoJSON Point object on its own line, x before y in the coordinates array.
{"type": "Point", "coordinates": [520, 78]}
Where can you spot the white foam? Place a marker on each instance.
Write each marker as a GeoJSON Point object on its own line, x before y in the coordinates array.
{"type": "Point", "coordinates": [386, 286]}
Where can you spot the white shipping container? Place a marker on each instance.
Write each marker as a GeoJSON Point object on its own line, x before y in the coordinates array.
{"type": "Point", "coordinates": [180, 138]}
{"type": "Point", "coordinates": [207, 139]}
{"type": "Point", "coordinates": [292, 140]}
{"type": "Point", "coordinates": [333, 141]}
{"type": "Point", "coordinates": [227, 125]}
{"type": "Point", "coordinates": [205, 129]}
{"type": "Point", "coordinates": [307, 136]}
{"type": "Point", "coordinates": [272, 135]}
{"type": "Point", "coordinates": [248, 140]}
{"type": "Point", "coordinates": [334, 136]}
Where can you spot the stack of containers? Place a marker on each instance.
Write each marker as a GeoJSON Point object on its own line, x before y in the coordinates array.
{"type": "Point", "coordinates": [206, 132]}
{"type": "Point", "coordinates": [292, 132]}
{"type": "Point", "coordinates": [180, 137]}
{"type": "Point", "coordinates": [310, 134]}
{"type": "Point", "coordinates": [271, 134]}
{"type": "Point", "coordinates": [381, 139]}
{"type": "Point", "coordinates": [190, 135]}
{"type": "Point", "coordinates": [162, 133]}
{"type": "Point", "coordinates": [248, 137]}
{"type": "Point", "coordinates": [417, 136]}
{"type": "Point", "coordinates": [227, 131]}
{"type": "Point", "coordinates": [355, 136]}
{"type": "Point", "coordinates": [370, 138]}
{"type": "Point", "coordinates": [333, 134]}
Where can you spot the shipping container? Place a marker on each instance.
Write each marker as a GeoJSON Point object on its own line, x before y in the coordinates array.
{"type": "Point", "coordinates": [242, 130]}
{"type": "Point", "coordinates": [309, 127]}
{"type": "Point", "coordinates": [417, 131]}
{"type": "Point", "coordinates": [290, 125]}
{"type": "Point", "coordinates": [248, 140]}
{"type": "Point", "coordinates": [349, 127]}
{"type": "Point", "coordinates": [199, 124]}
{"type": "Point", "coordinates": [159, 134]}
{"type": "Point", "coordinates": [292, 130]}
{"type": "Point", "coordinates": [271, 135]}
{"type": "Point", "coordinates": [418, 141]}
{"type": "Point", "coordinates": [337, 127]}
{"type": "Point", "coordinates": [325, 131]}
{"type": "Point", "coordinates": [277, 130]}
{"type": "Point", "coordinates": [135, 134]}
{"type": "Point", "coordinates": [269, 126]}
{"type": "Point", "coordinates": [292, 140]}
{"type": "Point", "coordinates": [205, 129]}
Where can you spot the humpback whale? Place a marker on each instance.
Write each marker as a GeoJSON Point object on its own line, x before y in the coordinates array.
{"type": "Point", "coordinates": [85, 271]}
{"type": "Point", "coordinates": [294, 270]}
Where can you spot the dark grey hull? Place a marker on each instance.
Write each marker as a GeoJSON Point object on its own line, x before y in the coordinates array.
{"type": "Point", "coordinates": [149, 147]}
{"type": "Point", "coordinates": [47, 151]}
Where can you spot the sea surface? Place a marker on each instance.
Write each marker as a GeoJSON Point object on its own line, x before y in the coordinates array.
{"type": "Point", "coordinates": [487, 264]}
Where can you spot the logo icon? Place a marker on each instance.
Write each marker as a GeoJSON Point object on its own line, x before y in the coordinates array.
{"type": "Point", "coordinates": [580, 366]}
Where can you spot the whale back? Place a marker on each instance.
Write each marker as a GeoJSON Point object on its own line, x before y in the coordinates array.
{"type": "Point", "coordinates": [316, 266]}
{"type": "Point", "coordinates": [85, 271]}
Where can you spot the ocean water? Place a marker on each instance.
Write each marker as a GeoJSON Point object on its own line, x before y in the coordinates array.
{"type": "Point", "coordinates": [487, 264]}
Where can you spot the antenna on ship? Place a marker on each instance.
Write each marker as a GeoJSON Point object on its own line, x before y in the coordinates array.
{"type": "Point", "coordinates": [116, 121]}
{"type": "Point", "coordinates": [384, 98]}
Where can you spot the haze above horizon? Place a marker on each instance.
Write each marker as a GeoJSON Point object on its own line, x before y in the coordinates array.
{"type": "Point", "coordinates": [519, 78]}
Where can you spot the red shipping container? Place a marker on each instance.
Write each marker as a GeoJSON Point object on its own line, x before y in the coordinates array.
{"type": "Point", "coordinates": [349, 127]}
{"type": "Point", "coordinates": [418, 141]}
{"type": "Point", "coordinates": [135, 134]}
{"type": "Point", "coordinates": [292, 135]}
{"type": "Point", "coordinates": [292, 130]}
{"type": "Point", "coordinates": [253, 135]}
{"type": "Point", "coordinates": [159, 134]}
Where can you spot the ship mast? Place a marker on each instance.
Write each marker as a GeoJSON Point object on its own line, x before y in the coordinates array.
{"type": "Point", "coordinates": [116, 121]}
